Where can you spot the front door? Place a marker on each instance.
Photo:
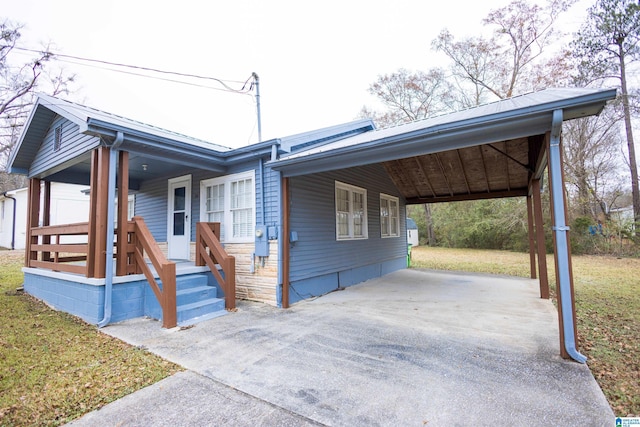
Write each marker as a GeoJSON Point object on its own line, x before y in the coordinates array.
{"type": "Point", "coordinates": [179, 217]}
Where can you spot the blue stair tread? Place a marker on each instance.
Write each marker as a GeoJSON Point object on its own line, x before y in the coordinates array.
{"type": "Point", "coordinates": [195, 290]}
{"type": "Point", "coordinates": [198, 304]}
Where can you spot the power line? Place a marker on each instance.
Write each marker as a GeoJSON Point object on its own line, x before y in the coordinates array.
{"type": "Point", "coordinates": [155, 70]}
{"type": "Point", "coordinates": [132, 73]}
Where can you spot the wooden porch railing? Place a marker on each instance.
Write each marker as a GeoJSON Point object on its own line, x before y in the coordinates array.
{"type": "Point", "coordinates": [209, 252]}
{"type": "Point", "coordinates": [46, 250]}
{"type": "Point", "coordinates": [141, 242]}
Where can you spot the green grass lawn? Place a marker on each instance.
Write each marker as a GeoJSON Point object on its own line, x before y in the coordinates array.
{"type": "Point", "coordinates": [607, 291]}
{"type": "Point", "coordinates": [55, 367]}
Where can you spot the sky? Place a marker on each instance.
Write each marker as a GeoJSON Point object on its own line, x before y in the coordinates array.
{"type": "Point", "coordinates": [315, 60]}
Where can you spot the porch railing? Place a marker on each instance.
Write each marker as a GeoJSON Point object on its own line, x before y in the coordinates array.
{"type": "Point", "coordinates": [141, 242]}
{"type": "Point", "coordinates": [209, 252]}
{"type": "Point", "coordinates": [47, 249]}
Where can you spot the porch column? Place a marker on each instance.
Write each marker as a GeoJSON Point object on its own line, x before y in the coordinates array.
{"type": "Point", "coordinates": [564, 274]}
{"type": "Point", "coordinates": [33, 217]}
{"type": "Point", "coordinates": [98, 205]}
{"type": "Point", "coordinates": [46, 218]}
{"type": "Point", "coordinates": [123, 210]}
{"type": "Point", "coordinates": [532, 247]}
{"type": "Point", "coordinates": [540, 241]}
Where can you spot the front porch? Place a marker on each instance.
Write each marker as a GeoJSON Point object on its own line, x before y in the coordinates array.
{"type": "Point", "coordinates": [104, 273]}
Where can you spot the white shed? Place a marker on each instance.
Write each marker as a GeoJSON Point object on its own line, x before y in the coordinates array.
{"type": "Point", "coordinates": [412, 233]}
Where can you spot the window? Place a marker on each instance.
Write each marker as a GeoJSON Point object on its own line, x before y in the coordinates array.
{"type": "Point", "coordinates": [351, 212]}
{"type": "Point", "coordinates": [230, 200]}
{"type": "Point", "coordinates": [389, 223]}
{"type": "Point", "coordinates": [2, 214]}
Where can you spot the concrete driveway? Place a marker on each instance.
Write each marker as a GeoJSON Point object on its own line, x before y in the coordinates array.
{"type": "Point", "coordinates": [413, 348]}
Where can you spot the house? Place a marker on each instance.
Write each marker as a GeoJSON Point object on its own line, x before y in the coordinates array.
{"type": "Point", "coordinates": [412, 233]}
{"type": "Point", "coordinates": [278, 221]}
{"type": "Point", "coordinates": [69, 204]}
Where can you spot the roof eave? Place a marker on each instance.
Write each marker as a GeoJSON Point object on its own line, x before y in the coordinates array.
{"type": "Point", "coordinates": [532, 120]}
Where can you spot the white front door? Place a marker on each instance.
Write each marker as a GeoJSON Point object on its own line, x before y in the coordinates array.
{"type": "Point", "coordinates": [179, 217]}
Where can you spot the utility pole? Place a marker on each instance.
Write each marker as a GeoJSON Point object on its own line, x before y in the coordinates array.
{"type": "Point", "coordinates": [256, 81]}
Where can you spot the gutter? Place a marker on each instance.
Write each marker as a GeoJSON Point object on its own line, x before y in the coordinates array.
{"type": "Point", "coordinates": [560, 231]}
{"type": "Point", "coordinates": [111, 195]}
{"type": "Point", "coordinates": [13, 222]}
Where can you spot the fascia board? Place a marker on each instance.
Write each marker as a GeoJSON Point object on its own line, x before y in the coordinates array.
{"type": "Point", "coordinates": [428, 141]}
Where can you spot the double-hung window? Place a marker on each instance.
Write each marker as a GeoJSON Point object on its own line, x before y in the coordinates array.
{"type": "Point", "coordinates": [230, 200]}
{"type": "Point", "coordinates": [389, 222]}
{"type": "Point", "coordinates": [351, 212]}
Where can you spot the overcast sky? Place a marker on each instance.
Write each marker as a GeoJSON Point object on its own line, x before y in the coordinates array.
{"type": "Point", "coordinates": [315, 60]}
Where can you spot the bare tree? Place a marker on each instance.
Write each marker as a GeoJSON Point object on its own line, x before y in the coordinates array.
{"type": "Point", "coordinates": [592, 163]}
{"type": "Point", "coordinates": [410, 96]}
{"type": "Point", "coordinates": [513, 59]}
{"type": "Point", "coordinates": [19, 82]}
{"type": "Point", "coordinates": [606, 44]}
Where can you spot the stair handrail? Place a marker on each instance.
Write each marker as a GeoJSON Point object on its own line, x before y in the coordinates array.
{"type": "Point", "coordinates": [166, 295]}
{"type": "Point", "coordinates": [206, 238]}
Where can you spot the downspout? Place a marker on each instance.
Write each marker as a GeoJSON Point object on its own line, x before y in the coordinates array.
{"type": "Point", "coordinates": [560, 231]}
{"type": "Point", "coordinates": [111, 195]}
{"type": "Point", "coordinates": [13, 222]}
{"type": "Point", "coordinates": [274, 157]}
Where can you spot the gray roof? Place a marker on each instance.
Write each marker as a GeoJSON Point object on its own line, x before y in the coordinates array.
{"type": "Point", "coordinates": [167, 150]}
{"type": "Point", "coordinates": [511, 118]}
{"type": "Point", "coordinates": [86, 117]}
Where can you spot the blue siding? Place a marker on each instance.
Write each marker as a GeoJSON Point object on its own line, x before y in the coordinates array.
{"type": "Point", "coordinates": [74, 144]}
{"type": "Point", "coordinates": [317, 254]}
{"type": "Point", "coordinates": [272, 196]}
{"type": "Point", "coordinates": [151, 204]}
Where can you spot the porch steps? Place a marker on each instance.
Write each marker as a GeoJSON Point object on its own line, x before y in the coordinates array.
{"type": "Point", "coordinates": [196, 301]}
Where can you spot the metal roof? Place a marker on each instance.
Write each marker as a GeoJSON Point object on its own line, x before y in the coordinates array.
{"type": "Point", "coordinates": [163, 151]}
{"type": "Point", "coordinates": [515, 117]}
{"type": "Point", "coordinates": [88, 118]}
{"type": "Point", "coordinates": [489, 151]}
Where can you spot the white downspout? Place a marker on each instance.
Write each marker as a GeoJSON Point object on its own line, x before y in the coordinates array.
{"type": "Point", "coordinates": [560, 230]}
{"type": "Point", "coordinates": [111, 195]}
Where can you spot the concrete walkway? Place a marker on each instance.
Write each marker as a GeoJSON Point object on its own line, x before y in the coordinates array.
{"type": "Point", "coordinates": [412, 348]}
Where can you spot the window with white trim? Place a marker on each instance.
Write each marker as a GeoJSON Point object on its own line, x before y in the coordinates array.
{"type": "Point", "coordinates": [389, 216]}
{"type": "Point", "coordinates": [351, 212]}
{"type": "Point", "coordinates": [230, 200]}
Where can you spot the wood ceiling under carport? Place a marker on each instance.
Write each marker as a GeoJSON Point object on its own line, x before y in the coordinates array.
{"type": "Point", "coordinates": [499, 169]}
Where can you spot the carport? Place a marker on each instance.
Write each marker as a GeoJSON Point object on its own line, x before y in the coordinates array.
{"type": "Point", "coordinates": [492, 151]}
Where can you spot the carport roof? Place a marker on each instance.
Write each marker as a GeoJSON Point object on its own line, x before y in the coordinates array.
{"type": "Point", "coordinates": [487, 151]}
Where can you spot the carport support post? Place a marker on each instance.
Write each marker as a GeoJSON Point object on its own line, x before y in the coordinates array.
{"type": "Point", "coordinates": [540, 242]}
{"type": "Point", "coordinates": [532, 247]}
{"type": "Point", "coordinates": [566, 304]}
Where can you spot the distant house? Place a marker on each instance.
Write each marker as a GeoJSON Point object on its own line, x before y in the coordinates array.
{"type": "Point", "coordinates": [69, 204]}
{"type": "Point", "coordinates": [278, 221]}
{"type": "Point", "coordinates": [412, 233]}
